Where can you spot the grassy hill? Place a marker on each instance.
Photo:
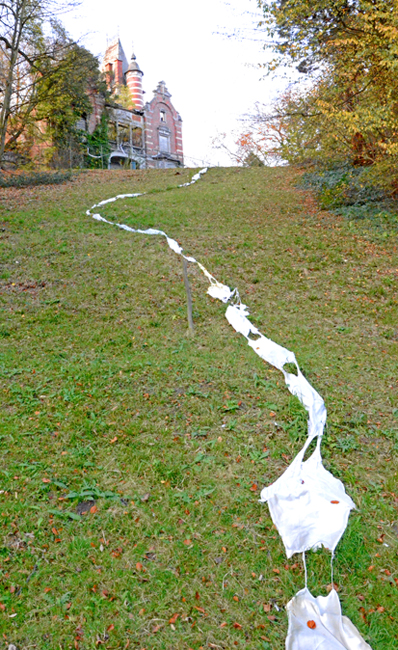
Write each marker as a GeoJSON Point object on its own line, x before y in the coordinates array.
{"type": "Point", "coordinates": [133, 454]}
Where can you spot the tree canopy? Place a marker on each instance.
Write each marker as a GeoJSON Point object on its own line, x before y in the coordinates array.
{"type": "Point", "coordinates": [348, 50]}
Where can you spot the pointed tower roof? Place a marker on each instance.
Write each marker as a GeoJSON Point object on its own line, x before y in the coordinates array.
{"type": "Point", "coordinates": [114, 52]}
{"type": "Point", "coordinates": [134, 67]}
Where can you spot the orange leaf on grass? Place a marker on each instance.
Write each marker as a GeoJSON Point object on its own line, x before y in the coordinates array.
{"type": "Point", "coordinates": [138, 566]}
{"type": "Point", "coordinates": [93, 510]}
{"type": "Point", "coordinates": [173, 619]}
{"type": "Point", "coordinates": [110, 627]}
{"type": "Point", "coordinates": [187, 542]}
{"type": "Point", "coordinates": [237, 626]}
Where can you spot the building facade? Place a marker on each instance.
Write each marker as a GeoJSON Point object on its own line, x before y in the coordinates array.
{"type": "Point", "coordinates": [141, 134]}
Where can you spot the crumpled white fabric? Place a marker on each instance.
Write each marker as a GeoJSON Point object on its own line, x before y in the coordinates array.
{"type": "Point", "coordinates": [332, 631]}
{"type": "Point", "coordinates": [308, 505]}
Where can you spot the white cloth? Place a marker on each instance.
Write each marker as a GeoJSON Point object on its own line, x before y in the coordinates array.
{"type": "Point", "coordinates": [308, 505]}
{"type": "Point", "coordinates": [327, 629]}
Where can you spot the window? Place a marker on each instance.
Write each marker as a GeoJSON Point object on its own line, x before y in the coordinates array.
{"type": "Point", "coordinates": [162, 116]}
{"type": "Point", "coordinates": [164, 143]}
{"type": "Point", "coordinates": [112, 132]}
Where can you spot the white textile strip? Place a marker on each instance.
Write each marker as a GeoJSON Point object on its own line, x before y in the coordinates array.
{"type": "Point", "coordinates": [308, 505]}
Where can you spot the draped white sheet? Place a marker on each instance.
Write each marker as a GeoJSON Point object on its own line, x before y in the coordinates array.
{"type": "Point", "coordinates": [318, 624]}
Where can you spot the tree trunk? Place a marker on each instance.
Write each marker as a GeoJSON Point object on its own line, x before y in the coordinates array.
{"type": "Point", "coordinates": [18, 12]}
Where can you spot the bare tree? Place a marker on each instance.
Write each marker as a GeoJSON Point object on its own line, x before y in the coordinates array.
{"type": "Point", "coordinates": [25, 54]}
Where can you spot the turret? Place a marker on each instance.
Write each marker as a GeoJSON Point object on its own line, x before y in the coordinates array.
{"type": "Point", "coordinates": [134, 82]}
{"type": "Point", "coordinates": [114, 64]}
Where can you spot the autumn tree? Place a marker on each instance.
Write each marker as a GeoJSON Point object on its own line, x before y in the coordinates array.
{"type": "Point", "coordinates": [348, 50]}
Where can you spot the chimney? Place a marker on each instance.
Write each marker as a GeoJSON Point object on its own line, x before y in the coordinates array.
{"type": "Point", "coordinates": [134, 82]}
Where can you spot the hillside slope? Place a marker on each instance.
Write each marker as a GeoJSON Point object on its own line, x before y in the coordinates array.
{"type": "Point", "coordinates": [133, 453]}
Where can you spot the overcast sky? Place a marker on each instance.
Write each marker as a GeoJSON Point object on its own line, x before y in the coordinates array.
{"type": "Point", "coordinates": [213, 77]}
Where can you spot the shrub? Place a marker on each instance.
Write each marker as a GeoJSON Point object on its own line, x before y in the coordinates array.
{"type": "Point", "coordinates": [34, 178]}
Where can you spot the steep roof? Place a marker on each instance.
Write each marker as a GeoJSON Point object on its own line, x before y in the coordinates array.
{"type": "Point", "coordinates": [114, 52]}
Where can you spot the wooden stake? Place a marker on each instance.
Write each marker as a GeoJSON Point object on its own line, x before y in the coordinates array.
{"type": "Point", "coordinates": [188, 290]}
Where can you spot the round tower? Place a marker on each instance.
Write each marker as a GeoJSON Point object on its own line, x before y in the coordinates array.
{"type": "Point", "coordinates": [134, 82]}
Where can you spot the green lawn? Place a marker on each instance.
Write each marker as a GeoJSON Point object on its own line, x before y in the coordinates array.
{"type": "Point", "coordinates": [165, 440]}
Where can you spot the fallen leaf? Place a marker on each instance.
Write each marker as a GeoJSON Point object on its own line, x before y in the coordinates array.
{"type": "Point", "coordinates": [46, 480]}
{"type": "Point", "coordinates": [311, 625]}
{"type": "Point", "coordinates": [138, 566]}
{"type": "Point", "coordinates": [146, 496]}
{"type": "Point", "coordinates": [93, 510]}
{"type": "Point", "coordinates": [223, 624]}
{"type": "Point", "coordinates": [237, 626]}
{"type": "Point", "coordinates": [254, 488]}
{"type": "Point", "coordinates": [267, 608]}
{"type": "Point", "coordinates": [173, 619]}
{"type": "Point", "coordinates": [236, 598]}
{"type": "Point", "coordinates": [54, 530]}
{"type": "Point", "coordinates": [113, 440]}
{"type": "Point", "coordinates": [187, 542]}
{"type": "Point", "coordinates": [110, 627]}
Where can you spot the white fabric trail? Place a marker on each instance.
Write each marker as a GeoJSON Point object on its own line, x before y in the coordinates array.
{"type": "Point", "coordinates": [308, 505]}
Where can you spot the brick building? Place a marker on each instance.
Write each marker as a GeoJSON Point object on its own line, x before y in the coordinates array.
{"type": "Point", "coordinates": [143, 134]}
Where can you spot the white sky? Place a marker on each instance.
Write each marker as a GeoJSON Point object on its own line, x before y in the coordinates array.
{"type": "Point", "coordinates": [213, 79]}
